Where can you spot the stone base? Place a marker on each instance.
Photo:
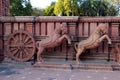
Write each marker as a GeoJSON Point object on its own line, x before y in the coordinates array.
{"type": "Point", "coordinates": [87, 65]}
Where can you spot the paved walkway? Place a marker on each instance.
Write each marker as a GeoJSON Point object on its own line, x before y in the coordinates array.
{"type": "Point", "coordinates": [24, 71]}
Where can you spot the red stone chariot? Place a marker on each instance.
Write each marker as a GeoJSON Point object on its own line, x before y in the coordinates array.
{"type": "Point", "coordinates": [53, 40]}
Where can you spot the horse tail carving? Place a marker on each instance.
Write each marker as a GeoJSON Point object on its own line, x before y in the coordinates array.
{"type": "Point", "coordinates": [76, 46]}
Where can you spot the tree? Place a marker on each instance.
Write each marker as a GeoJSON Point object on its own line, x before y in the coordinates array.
{"type": "Point", "coordinates": [20, 8]}
{"type": "Point", "coordinates": [101, 7]}
{"type": "Point", "coordinates": [112, 11]}
{"type": "Point", "coordinates": [88, 8]}
{"type": "Point", "coordinates": [37, 12]}
{"type": "Point", "coordinates": [98, 8]}
{"type": "Point", "coordinates": [27, 8]}
{"type": "Point", "coordinates": [49, 10]}
{"type": "Point", "coordinates": [59, 8]}
{"type": "Point", "coordinates": [75, 8]}
{"type": "Point", "coordinates": [83, 8]}
{"type": "Point", "coordinates": [105, 8]}
{"type": "Point", "coordinates": [116, 3]}
{"type": "Point", "coordinates": [71, 7]}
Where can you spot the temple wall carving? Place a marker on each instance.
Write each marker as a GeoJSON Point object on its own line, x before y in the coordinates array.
{"type": "Point", "coordinates": [78, 27]}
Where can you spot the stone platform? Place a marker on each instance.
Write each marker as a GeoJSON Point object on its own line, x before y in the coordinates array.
{"type": "Point", "coordinates": [84, 64]}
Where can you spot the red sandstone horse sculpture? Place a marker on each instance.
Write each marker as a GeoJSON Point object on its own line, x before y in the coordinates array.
{"type": "Point", "coordinates": [93, 41]}
{"type": "Point", "coordinates": [53, 40]}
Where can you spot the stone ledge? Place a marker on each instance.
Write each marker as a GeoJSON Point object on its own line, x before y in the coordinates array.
{"type": "Point", "coordinates": [85, 66]}
{"type": "Point", "coordinates": [33, 19]}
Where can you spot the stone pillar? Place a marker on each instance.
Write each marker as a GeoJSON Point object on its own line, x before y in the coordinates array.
{"type": "Point", "coordinates": [4, 7]}
{"type": "Point", "coordinates": [0, 7]}
{"type": "Point", "coordinates": [4, 11]}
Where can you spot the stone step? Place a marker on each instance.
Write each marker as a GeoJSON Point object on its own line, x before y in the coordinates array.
{"type": "Point", "coordinates": [101, 65]}
{"type": "Point", "coordinates": [80, 66]}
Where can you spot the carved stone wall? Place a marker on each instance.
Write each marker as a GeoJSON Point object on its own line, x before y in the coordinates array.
{"type": "Point", "coordinates": [79, 27]}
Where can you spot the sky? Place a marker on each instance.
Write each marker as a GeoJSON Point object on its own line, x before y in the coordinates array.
{"type": "Point", "coordinates": [41, 3]}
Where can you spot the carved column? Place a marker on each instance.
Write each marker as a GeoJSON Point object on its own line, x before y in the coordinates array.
{"type": "Point", "coordinates": [4, 7]}
{"type": "Point", "coordinates": [4, 11]}
{"type": "Point", "coordinates": [0, 7]}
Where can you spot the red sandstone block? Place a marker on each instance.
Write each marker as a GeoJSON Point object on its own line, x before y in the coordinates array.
{"type": "Point", "coordinates": [7, 28]}
{"type": "Point", "coordinates": [43, 29]}
{"type": "Point", "coordinates": [28, 27]}
{"type": "Point", "coordinates": [37, 29]}
{"type": "Point", "coordinates": [15, 26]}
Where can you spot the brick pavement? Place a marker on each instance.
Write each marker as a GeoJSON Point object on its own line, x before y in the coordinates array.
{"type": "Point", "coordinates": [24, 71]}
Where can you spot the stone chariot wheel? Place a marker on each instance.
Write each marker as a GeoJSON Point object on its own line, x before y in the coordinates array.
{"type": "Point", "coordinates": [21, 46]}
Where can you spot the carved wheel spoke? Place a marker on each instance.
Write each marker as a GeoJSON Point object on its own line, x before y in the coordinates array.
{"type": "Point", "coordinates": [21, 54]}
{"type": "Point", "coordinates": [26, 53]}
{"type": "Point", "coordinates": [29, 46]}
{"type": "Point", "coordinates": [13, 46]}
{"type": "Point", "coordinates": [14, 39]}
{"type": "Point", "coordinates": [21, 46]}
{"type": "Point", "coordinates": [29, 42]}
{"type": "Point", "coordinates": [26, 39]}
{"type": "Point", "coordinates": [14, 51]}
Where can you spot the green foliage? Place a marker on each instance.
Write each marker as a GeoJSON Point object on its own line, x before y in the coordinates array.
{"type": "Point", "coordinates": [87, 8]}
{"type": "Point", "coordinates": [98, 8]}
{"type": "Point", "coordinates": [115, 3]}
{"type": "Point", "coordinates": [67, 8]}
{"type": "Point", "coordinates": [83, 8]}
{"type": "Point", "coordinates": [37, 12]}
{"type": "Point", "coordinates": [49, 10]}
{"type": "Point", "coordinates": [112, 11]}
{"type": "Point", "coordinates": [59, 8]}
{"type": "Point", "coordinates": [20, 8]}
{"type": "Point", "coordinates": [71, 7]}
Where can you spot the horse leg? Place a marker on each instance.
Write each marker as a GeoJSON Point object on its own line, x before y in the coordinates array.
{"type": "Point", "coordinates": [79, 52]}
{"type": "Point", "coordinates": [105, 37]}
{"type": "Point", "coordinates": [65, 36]}
{"type": "Point", "coordinates": [39, 58]}
{"type": "Point", "coordinates": [108, 39]}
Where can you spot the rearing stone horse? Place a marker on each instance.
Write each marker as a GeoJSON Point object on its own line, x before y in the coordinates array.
{"type": "Point", "coordinates": [53, 40]}
{"type": "Point", "coordinates": [93, 41]}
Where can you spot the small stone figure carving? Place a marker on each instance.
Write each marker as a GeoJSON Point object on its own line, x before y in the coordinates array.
{"type": "Point", "coordinates": [53, 40]}
{"type": "Point", "coordinates": [93, 41]}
